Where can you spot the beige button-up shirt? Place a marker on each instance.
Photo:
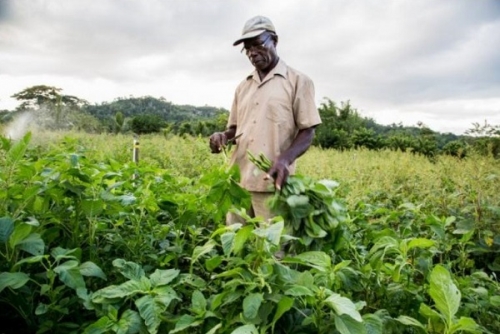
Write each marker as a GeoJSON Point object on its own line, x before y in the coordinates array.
{"type": "Point", "coordinates": [269, 114]}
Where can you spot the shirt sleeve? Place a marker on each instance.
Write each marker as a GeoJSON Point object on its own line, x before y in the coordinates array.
{"type": "Point", "coordinates": [305, 111]}
{"type": "Point", "coordinates": [233, 114]}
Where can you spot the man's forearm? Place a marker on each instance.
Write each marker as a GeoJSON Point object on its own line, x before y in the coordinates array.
{"type": "Point", "coordinates": [299, 146]}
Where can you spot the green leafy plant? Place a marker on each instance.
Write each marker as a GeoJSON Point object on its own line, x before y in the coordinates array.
{"type": "Point", "coordinates": [446, 297]}
{"type": "Point", "coordinates": [310, 208]}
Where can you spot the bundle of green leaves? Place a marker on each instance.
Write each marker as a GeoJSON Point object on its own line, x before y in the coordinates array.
{"type": "Point", "coordinates": [310, 208]}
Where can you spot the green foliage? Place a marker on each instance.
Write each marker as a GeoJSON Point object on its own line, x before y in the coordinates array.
{"type": "Point", "coordinates": [313, 212]}
{"type": "Point", "coordinates": [144, 124]}
{"type": "Point", "coordinates": [92, 243]}
{"type": "Point", "coordinates": [367, 138]}
{"type": "Point", "coordinates": [342, 127]}
{"type": "Point", "coordinates": [486, 139]}
{"type": "Point", "coordinates": [120, 123]}
{"type": "Point", "coordinates": [401, 142]}
{"type": "Point", "coordinates": [456, 148]}
{"type": "Point", "coordinates": [166, 111]}
{"type": "Point", "coordinates": [338, 125]}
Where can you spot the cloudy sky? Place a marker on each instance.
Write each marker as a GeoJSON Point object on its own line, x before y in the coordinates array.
{"type": "Point", "coordinates": [406, 61]}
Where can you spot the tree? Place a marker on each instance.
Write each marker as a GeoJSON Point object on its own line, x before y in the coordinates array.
{"type": "Point", "coordinates": [38, 96]}
{"type": "Point", "coordinates": [53, 109]}
{"type": "Point", "coordinates": [426, 143]}
{"type": "Point", "coordinates": [143, 124]}
{"type": "Point", "coordinates": [338, 125]}
{"type": "Point", "coordinates": [367, 138]}
{"type": "Point", "coordinates": [401, 142]}
{"type": "Point", "coordinates": [485, 138]}
{"type": "Point", "coordinates": [456, 148]}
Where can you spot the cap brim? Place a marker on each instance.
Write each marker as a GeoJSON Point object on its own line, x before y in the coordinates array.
{"type": "Point", "coordinates": [248, 35]}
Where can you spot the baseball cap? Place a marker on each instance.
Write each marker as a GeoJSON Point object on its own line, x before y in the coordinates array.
{"type": "Point", "coordinates": [254, 27]}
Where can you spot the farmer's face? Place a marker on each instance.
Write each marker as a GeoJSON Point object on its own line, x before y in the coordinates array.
{"type": "Point", "coordinates": [261, 50]}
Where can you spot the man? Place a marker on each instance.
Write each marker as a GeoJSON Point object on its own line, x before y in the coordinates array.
{"type": "Point", "coordinates": [273, 113]}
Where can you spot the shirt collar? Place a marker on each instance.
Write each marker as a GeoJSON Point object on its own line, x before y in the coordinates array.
{"type": "Point", "coordinates": [279, 69]}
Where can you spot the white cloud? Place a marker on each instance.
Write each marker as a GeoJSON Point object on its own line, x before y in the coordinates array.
{"type": "Point", "coordinates": [395, 60]}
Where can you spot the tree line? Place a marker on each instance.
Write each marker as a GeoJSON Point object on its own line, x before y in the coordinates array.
{"type": "Point", "coordinates": [342, 128]}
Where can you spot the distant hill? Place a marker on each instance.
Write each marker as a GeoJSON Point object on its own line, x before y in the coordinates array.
{"type": "Point", "coordinates": [171, 113]}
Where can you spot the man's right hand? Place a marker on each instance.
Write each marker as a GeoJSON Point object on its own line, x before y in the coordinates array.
{"type": "Point", "coordinates": [217, 141]}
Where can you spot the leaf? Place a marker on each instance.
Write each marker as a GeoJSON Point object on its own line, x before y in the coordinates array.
{"type": "Point", "coordinates": [128, 269]}
{"type": "Point", "coordinates": [125, 289]}
{"type": "Point", "coordinates": [31, 259]}
{"type": "Point", "coordinates": [184, 322]}
{"type": "Point", "coordinates": [21, 232]}
{"type": "Point", "coordinates": [347, 325]}
{"type": "Point", "coordinates": [298, 290]}
{"type": "Point", "coordinates": [409, 321]}
{"type": "Point", "coordinates": [201, 250]}
{"type": "Point", "coordinates": [151, 311]}
{"type": "Point", "coordinates": [315, 259]}
{"type": "Point", "coordinates": [330, 184]}
{"type": "Point", "coordinates": [466, 324]}
{"type": "Point", "coordinates": [284, 305]}
{"type": "Point", "coordinates": [163, 277]}
{"type": "Point", "coordinates": [464, 226]}
{"type": "Point", "coordinates": [213, 263]}
{"type": "Point", "coordinates": [41, 309]}
{"type": "Point", "coordinates": [101, 326]}
{"type": "Point", "coordinates": [444, 293]}
{"type": "Point", "coordinates": [297, 200]}
{"type": "Point", "coordinates": [246, 329]}
{"type": "Point", "coordinates": [495, 301]}
{"type": "Point", "coordinates": [13, 280]}
{"type": "Point", "coordinates": [85, 297]}
{"type": "Point", "coordinates": [214, 329]}
{"type": "Point", "coordinates": [386, 243]}
{"type": "Point", "coordinates": [198, 302]}
{"type": "Point", "coordinates": [251, 305]}
{"type": "Point", "coordinates": [91, 269]}
{"type": "Point", "coordinates": [127, 200]}
{"type": "Point", "coordinates": [343, 305]}
{"type": "Point", "coordinates": [70, 275]}
{"type": "Point", "coordinates": [192, 280]}
{"type": "Point", "coordinates": [274, 232]}
{"type": "Point", "coordinates": [92, 207]}
{"type": "Point", "coordinates": [241, 238]}
{"type": "Point", "coordinates": [435, 318]}
{"type": "Point", "coordinates": [33, 244]}
{"type": "Point", "coordinates": [6, 228]}
{"type": "Point", "coordinates": [59, 253]}
{"type": "Point", "coordinates": [32, 221]}
{"type": "Point", "coordinates": [420, 243]}
{"type": "Point", "coordinates": [165, 294]}
{"type": "Point", "coordinates": [130, 322]}
{"type": "Point", "coordinates": [16, 151]}
{"type": "Point", "coordinates": [373, 324]}
{"type": "Point", "coordinates": [227, 241]}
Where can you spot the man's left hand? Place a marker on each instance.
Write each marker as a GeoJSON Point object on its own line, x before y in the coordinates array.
{"type": "Point", "coordinates": [279, 172]}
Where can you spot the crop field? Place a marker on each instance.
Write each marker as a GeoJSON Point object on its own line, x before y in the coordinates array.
{"type": "Point", "coordinates": [374, 241]}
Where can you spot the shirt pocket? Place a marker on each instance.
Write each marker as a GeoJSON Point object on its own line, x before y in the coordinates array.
{"type": "Point", "coordinates": [279, 110]}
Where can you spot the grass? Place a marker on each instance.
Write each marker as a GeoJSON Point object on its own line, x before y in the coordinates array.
{"type": "Point", "coordinates": [442, 186]}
